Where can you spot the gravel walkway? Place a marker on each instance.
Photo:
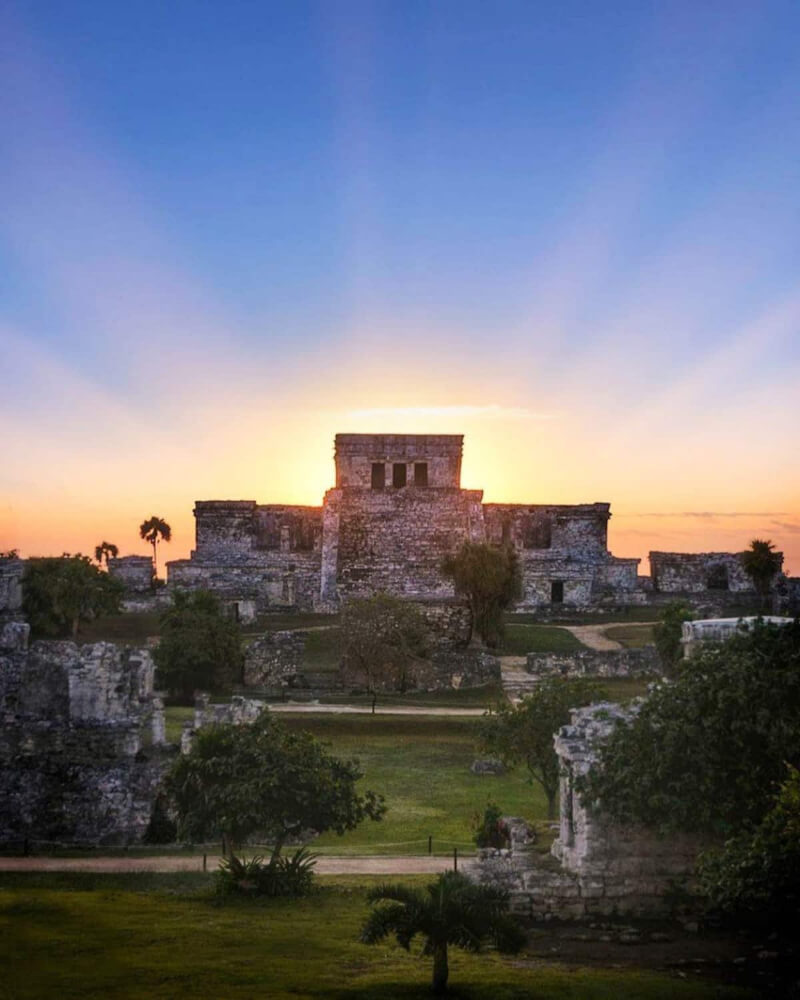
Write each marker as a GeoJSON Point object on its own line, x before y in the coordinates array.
{"type": "Point", "coordinates": [367, 865]}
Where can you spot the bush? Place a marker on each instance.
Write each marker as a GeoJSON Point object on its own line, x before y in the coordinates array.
{"type": "Point", "coordinates": [667, 634]}
{"type": "Point", "coordinates": [59, 593]}
{"type": "Point", "coordinates": [282, 876]}
{"type": "Point", "coordinates": [490, 830]}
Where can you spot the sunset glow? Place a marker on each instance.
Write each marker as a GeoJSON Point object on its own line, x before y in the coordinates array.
{"type": "Point", "coordinates": [569, 234]}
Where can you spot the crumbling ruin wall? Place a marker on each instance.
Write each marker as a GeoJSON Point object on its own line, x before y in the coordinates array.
{"type": "Point", "coordinates": [394, 540]}
{"type": "Point", "coordinates": [696, 634]}
{"type": "Point", "coordinates": [135, 573]}
{"type": "Point", "coordinates": [11, 570]}
{"type": "Point", "coordinates": [275, 661]}
{"type": "Point", "coordinates": [596, 663]}
{"type": "Point", "coordinates": [440, 454]}
{"type": "Point", "coordinates": [695, 573]}
{"type": "Point", "coordinates": [445, 670]}
{"type": "Point", "coordinates": [563, 553]}
{"type": "Point", "coordinates": [81, 744]}
{"type": "Point", "coordinates": [606, 868]}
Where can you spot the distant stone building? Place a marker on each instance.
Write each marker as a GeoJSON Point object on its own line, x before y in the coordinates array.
{"type": "Point", "coordinates": [135, 573]}
{"type": "Point", "coordinates": [396, 510]}
{"type": "Point", "coordinates": [700, 572]}
{"type": "Point", "coordinates": [11, 570]}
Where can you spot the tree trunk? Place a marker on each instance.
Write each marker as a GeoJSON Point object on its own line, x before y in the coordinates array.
{"type": "Point", "coordinates": [440, 970]}
{"type": "Point", "coordinates": [75, 623]}
{"type": "Point", "coordinates": [552, 796]}
{"type": "Point", "coordinates": [276, 850]}
{"type": "Point", "coordinates": [227, 846]}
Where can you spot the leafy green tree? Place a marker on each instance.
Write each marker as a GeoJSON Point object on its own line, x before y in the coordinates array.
{"type": "Point", "coordinates": [153, 529]}
{"type": "Point", "coordinates": [450, 911]}
{"type": "Point", "coordinates": [384, 637]}
{"type": "Point", "coordinates": [667, 633]}
{"type": "Point", "coordinates": [490, 579]}
{"type": "Point", "coordinates": [239, 781]}
{"type": "Point", "coordinates": [523, 733]}
{"type": "Point", "coordinates": [105, 551]}
{"type": "Point", "coordinates": [60, 592]}
{"type": "Point", "coordinates": [706, 751]}
{"type": "Point", "coordinates": [200, 646]}
{"type": "Point", "coordinates": [755, 878]}
{"type": "Point", "coordinates": [762, 564]}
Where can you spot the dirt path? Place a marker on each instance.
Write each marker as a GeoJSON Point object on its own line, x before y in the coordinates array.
{"type": "Point", "coordinates": [365, 865]}
{"type": "Point", "coordinates": [594, 636]}
{"type": "Point", "coordinates": [310, 706]}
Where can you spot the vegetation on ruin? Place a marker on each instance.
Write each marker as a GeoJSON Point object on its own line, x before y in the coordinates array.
{"type": "Point", "coordinates": [263, 778]}
{"type": "Point", "coordinates": [59, 593]}
{"type": "Point", "coordinates": [667, 634]}
{"type": "Point", "coordinates": [383, 637]}
{"type": "Point", "coordinates": [489, 578]}
{"type": "Point", "coordinates": [452, 910]}
{"type": "Point", "coordinates": [165, 937]}
{"type": "Point", "coordinates": [200, 646]}
{"type": "Point", "coordinates": [761, 563]}
{"type": "Point", "coordinates": [707, 751]}
{"type": "Point", "coordinates": [523, 733]}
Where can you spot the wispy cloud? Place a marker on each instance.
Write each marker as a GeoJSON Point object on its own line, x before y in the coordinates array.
{"type": "Point", "coordinates": [491, 411]}
{"type": "Point", "coordinates": [706, 514]}
{"type": "Point", "coordinates": [793, 527]}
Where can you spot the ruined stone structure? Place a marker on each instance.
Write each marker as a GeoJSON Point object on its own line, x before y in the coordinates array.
{"type": "Point", "coordinates": [11, 570]}
{"type": "Point", "coordinates": [135, 573]}
{"type": "Point", "coordinates": [596, 663]}
{"type": "Point", "coordinates": [396, 510]}
{"type": "Point", "coordinates": [82, 747]}
{"type": "Point", "coordinates": [605, 868]}
{"type": "Point", "coordinates": [698, 572]}
{"type": "Point", "coordinates": [695, 634]}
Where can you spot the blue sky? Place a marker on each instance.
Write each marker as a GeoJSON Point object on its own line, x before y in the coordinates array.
{"type": "Point", "coordinates": [569, 230]}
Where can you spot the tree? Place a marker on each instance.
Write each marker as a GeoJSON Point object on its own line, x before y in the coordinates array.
{"type": "Point", "coordinates": [238, 781]}
{"type": "Point", "coordinates": [151, 531]}
{"type": "Point", "coordinates": [60, 592]}
{"type": "Point", "coordinates": [200, 646]}
{"type": "Point", "coordinates": [706, 751]}
{"type": "Point", "coordinates": [451, 910]}
{"type": "Point", "coordinates": [762, 564]}
{"type": "Point", "coordinates": [490, 579]}
{"type": "Point", "coordinates": [105, 551]}
{"type": "Point", "coordinates": [754, 879]}
{"type": "Point", "coordinates": [668, 633]}
{"type": "Point", "coordinates": [383, 637]}
{"type": "Point", "coordinates": [523, 733]}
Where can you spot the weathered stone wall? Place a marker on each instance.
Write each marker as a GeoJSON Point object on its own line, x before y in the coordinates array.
{"type": "Point", "coordinates": [448, 622]}
{"type": "Point", "coordinates": [275, 661]}
{"type": "Point", "coordinates": [447, 669]}
{"type": "Point", "coordinates": [596, 663]}
{"type": "Point", "coordinates": [695, 634]}
{"type": "Point", "coordinates": [81, 744]}
{"type": "Point", "coordinates": [11, 571]}
{"type": "Point", "coordinates": [694, 573]}
{"type": "Point", "coordinates": [135, 573]}
{"type": "Point", "coordinates": [355, 454]}
{"type": "Point", "coordinates": [394, 540]}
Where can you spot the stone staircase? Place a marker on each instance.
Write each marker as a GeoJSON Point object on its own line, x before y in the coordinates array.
{"type": "Point", "coordinates": [517, 682]}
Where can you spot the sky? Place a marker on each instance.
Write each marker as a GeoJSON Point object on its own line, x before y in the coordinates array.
{"type": "Point", "coordinates": [568, 230]}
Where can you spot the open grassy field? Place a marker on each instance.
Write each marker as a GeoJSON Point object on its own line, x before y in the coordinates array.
{"type": "Point", "coordinates": [521, 638]}
{"type": "Point", "coordinates": [144, 937]}
{"type": "Point", "coordinates": [132, 629]}
{"type": "Point", "coordinates": [632, 636]}
{"type": "Point", "coordinates": [421, 765]}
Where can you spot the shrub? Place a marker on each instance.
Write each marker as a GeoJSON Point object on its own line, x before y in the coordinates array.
{"type": "Point", "coordinates": [281, 876]}
{"type": "Point", "coordinates": [490, 830]}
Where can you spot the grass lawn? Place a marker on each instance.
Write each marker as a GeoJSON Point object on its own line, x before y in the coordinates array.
{"type": "Point", "coordinates": [634, 613]}
{"type": "Point", "coordinates": [421, 765]}
{"type": "Point", "coordinates": [522, 638]}
{"type": "Point", "coordinates": [632, 636]}
{"type": "Point", "coordinates": [130, 629]}
{"type": "Point", "coordinates": [161, 936]}
{"type": "Point", "coordinates": [622, 689]}
{"type": "Point", "coordinates": [290, 620]}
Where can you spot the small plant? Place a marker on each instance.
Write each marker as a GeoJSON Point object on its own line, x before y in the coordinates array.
{"type": "Point", "coordinates": [282, 876]}
{"type": "Point", "coordinates": [490, 831]}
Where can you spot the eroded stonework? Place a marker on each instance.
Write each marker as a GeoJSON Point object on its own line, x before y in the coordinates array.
{"type": "Point", "coordinates": [82, 746]}
{"type": "Point", "coordinates": [396, 511]}
{"type": "Point", "coordinates": [697, 572]}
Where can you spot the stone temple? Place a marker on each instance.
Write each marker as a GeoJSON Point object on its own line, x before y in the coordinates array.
{"type": "Point", "coordinates": [397, 508]}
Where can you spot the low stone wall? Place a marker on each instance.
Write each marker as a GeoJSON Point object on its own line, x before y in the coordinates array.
{"type": "Point", "coordinates": [448, 622]}
{"type": "Point", "coordinates": [274, 661]}
{"type": "Point", "coordinates": [135, 573]}
{"type": "Point", "coordinates": [11, 570]}
{"type": "Point", "coordinates": [596, 663]}
{"type": "Point", "coordinates": [447, 669]}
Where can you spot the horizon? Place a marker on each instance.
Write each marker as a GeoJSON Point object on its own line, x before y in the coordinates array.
{"type": "Point", "coordinates": [567, 233]}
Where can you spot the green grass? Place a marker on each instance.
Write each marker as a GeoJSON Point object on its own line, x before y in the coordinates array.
{"type": "Point", "coordinates": [323, 651]}
{"type": "Point", "coordinates": [632, 636]}
{"type": "Point", "coordinates": [522, 638]}
{"type": "Point", "coordinates": [287, 621]}
{"type": "Point", "coordinates": [634, 613]}
{"type": "Point", "coordinates": [130, 629]}
{"type": "Point", "coordinates": [622, 689]}
{"type": "Point", "coordinates": [162, 937]}
{"type": "Point", "coordinates": [421, 765]}
{"type": "Point", "coordinates": [472, 697]}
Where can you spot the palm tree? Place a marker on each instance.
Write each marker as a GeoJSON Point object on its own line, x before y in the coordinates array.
{"type": "Point", "coordinates": [151, 530]}
{"type": "Point", "coordinates": [105, 551]}
{"type": "Point", "coordinates": [451, 910]}
{"type": "Point", "coordinates": [761, 563]}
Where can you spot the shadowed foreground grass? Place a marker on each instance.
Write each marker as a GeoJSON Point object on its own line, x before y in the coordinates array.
{"type": "Point", "coordinates": [138, 937]}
